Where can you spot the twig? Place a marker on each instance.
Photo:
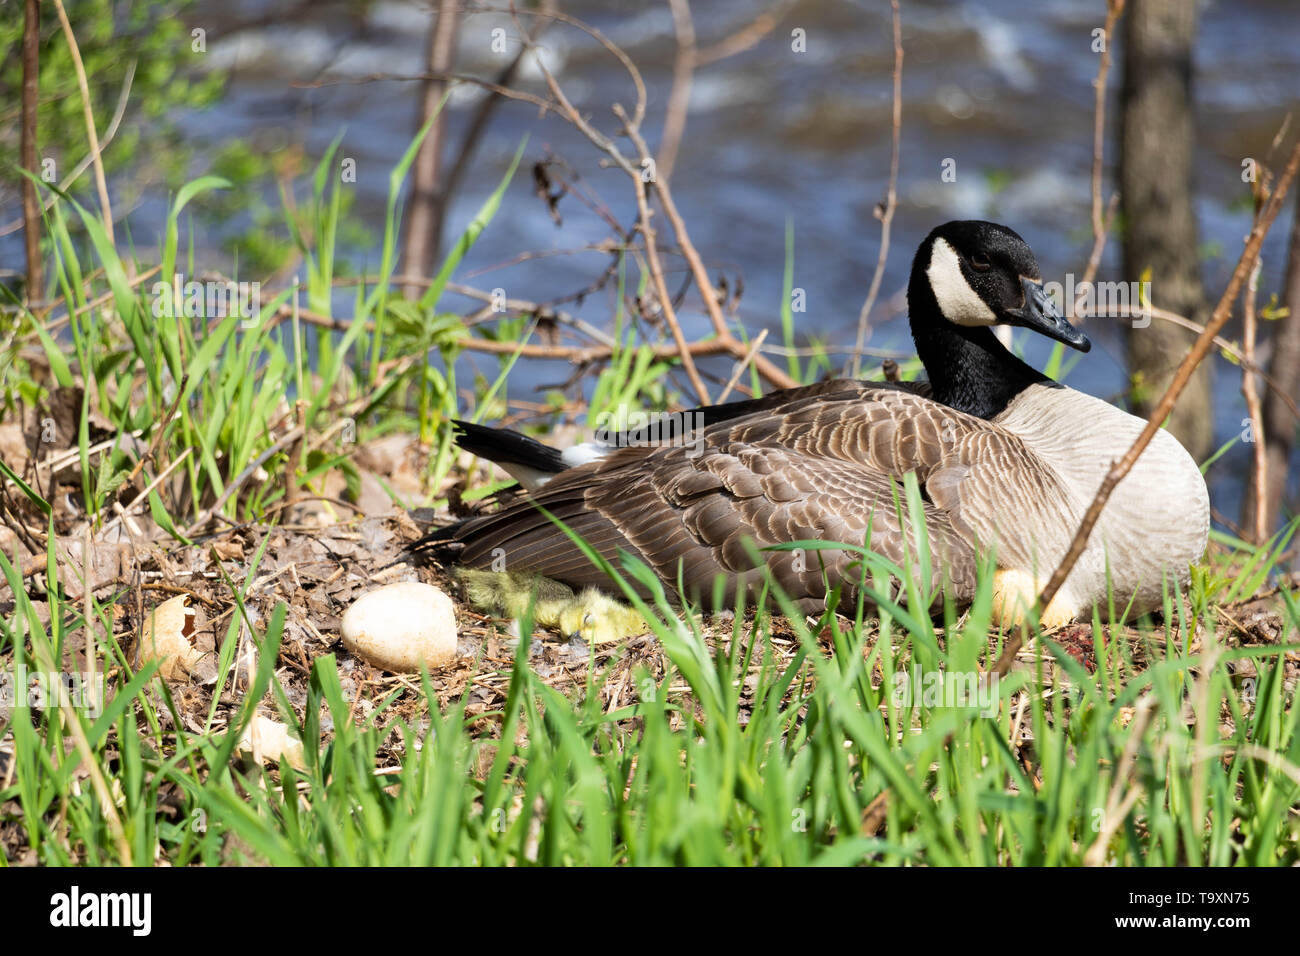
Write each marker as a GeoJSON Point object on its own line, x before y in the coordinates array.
{"type": "Point", "coordinates": [742, 365]}
{"type": "Point", "coordinates": [661, 288]}
{"type": "Point", "coordinates": [638, 111]}
{"type": "Point", "coordinates": [541, 311]}
{"type": "Point", "coordinates": [1098, 247]}
{"type": "Point", "coordinates": [607, 145]}
{"type": "Point", "coordinates": [31, 219]}
{"type": "Point", "coordinates": [769, 371]}
{"type": "Point", "coordinates": [1201, 348]}
{"type": "Point", "coordinates": [285, 440]}
{"type": "Point", "coordinates": [1219, 342]}
{"type": "Point", "coordinates": [689, 57]}
{"type": "Point", "coordinates": [123, 97]}
{"type": "Point", "coordinates": [679, 96]}
{"type": "Point", "coordinates": [1253, 409]}
{"type": "Point", "coordinates": [101, 183]}
{"type": "Point", "coordinates": [143, 497]}
{"type": "Point", "coordinates": [885, 212]}
{"type": "Point", "coordinates": [9, 515]}
{"type": "Point", "coordinates": [1114, 8]}
{"type": "Point", "coordinates": [543, 105]}
{"type": "Point", "coordinates": [94, 303]}
{"type": "Point", "coordinates": [746, 37]}
{"type": "Point", "coordinates": [474, 131]}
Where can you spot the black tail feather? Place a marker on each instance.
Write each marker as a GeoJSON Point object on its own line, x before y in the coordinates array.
{"type": "Point", "coordinates": [503, 445]}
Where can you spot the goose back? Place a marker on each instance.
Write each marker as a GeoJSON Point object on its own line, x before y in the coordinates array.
{"type": "Point", "coordinates": [826, 467]}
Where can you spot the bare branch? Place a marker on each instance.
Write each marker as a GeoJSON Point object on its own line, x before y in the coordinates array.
{"type": "Point", "coordinates": [746, 37]}
{"type": "Point", "coordinates": [1253, 409]}
{"type": "Point", "coordinates": [88, 112]}
{"type": "Point", "coordinates": [679, 97]}
{"type": "Point", "coordinates": [885, 212]}
{"type": "Point", "coordinates": [1114, 8]}
{"type": "Point", "coordinates": [1201, 348]}
{"type": "Point", "coordinates": [31, 218]}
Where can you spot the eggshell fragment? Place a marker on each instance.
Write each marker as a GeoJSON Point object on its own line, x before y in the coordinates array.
{"type": "Point", "coordinates": [267, 741]}
{"type": "Point", "coordinates": [165, 637]}
{"type": "Point", "coordinates": [401, 626]}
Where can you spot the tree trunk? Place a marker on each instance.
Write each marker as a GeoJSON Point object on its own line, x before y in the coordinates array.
{"type": "Point", "coordinates": [1279, 420]}
{"type": "Point", "coordinates": [1159, 220]}
{"type": "Point", "coordinates": [424, 209]}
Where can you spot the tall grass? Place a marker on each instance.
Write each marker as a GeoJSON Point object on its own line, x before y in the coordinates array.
{"type": "Point", "coordinates": [736, 754]}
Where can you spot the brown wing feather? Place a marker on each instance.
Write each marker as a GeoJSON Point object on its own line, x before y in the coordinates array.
{"type": "Point", "coordinates": [826, 465]}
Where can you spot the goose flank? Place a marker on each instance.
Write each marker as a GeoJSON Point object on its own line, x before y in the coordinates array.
{"type": "Point", "coordinates": [1007, 461]}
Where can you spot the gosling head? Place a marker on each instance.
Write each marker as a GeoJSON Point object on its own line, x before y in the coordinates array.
{"type": "Point", "coordinates": [974, 273]}
{"type": "Point", "coordinates": [599, 619]}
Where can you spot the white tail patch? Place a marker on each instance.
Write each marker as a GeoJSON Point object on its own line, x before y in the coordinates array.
{"type": "Point", "coordinates": [958, 302]}
{"type": "Point", "coordinates": [587, 451]}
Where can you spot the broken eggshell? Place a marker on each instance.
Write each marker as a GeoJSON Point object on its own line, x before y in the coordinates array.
{"type": "Point", "coordinates": [166, 638]}
{"type": "Point", "coordinates": [268, 741]}
{"type": "Point", "coordinates": [400, 627]}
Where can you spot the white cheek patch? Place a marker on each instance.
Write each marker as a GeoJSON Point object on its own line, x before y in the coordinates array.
{"type": "Point", "coordinates": [958, 302]}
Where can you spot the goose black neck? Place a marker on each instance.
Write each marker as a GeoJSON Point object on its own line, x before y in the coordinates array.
{"type": "Point", "coordinates": [969, 369]}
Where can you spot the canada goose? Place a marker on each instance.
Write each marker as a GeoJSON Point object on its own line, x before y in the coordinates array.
{"type": "Point", "coordinates": [1007, 461]}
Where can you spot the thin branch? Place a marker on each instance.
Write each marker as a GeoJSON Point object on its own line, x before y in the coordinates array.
{"type": "Point", "coordinates": [101, 183]}
{"type": "Point", "coordinates": [746, 37]}
{"type": "Point", "coordinates": [661, 290]}
{"type": "Point", "coordinates": [543, 105]}
{"type": "Point", "coordinates": [1114, 8]}
{"type": "Point", "coordinates": [1138, 311]}
{"type": "Point", "coordinates": [638, 111]}
{"type": "Point", "coordinates": [123, 97]}
{"type": "Point", "coordinates": [1098, 247]}
{"type": "Point", "coordinates": [690, 57]}
{"type": "Point", "coordinates": [31, 219]}
{"type": "Point", "coordinates": [769, 371]}
{"type": "Point", "coordinates": [679, 96]}
{"type": "Point", "coordinates": [742, 365]}
{"type": "Point", "coordinates": [1253, 408]}
{"type": "Point", "coordinates": [1201, 348]}
{"type": "Point", "coordinates": [478, 125]}
{"type": "Point", "coordinates": [647, 230]}
{"type": "Point", "coordinates": [885, 211]}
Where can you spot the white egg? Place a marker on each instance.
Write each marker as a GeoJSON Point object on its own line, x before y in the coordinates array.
{"type": "Point", "coordinates": [401, 626]}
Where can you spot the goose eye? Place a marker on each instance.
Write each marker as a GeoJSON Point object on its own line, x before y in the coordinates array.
{"type": "Point", "coordinates": [586, 620]}
{"type": "Point", "coordinates": [980, 262]}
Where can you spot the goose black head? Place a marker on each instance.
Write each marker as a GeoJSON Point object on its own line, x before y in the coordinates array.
{"type": "Point", "coordinates": [968, 276]}
{"type": "Point", "coordinates": [973, 273]}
